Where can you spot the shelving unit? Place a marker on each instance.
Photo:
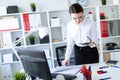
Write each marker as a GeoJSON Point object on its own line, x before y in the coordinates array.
{"type": "Point", "coordinates": [112, 19]}
{"type": "Point", "coordinates": [112, 16]}
{"type": "Point", "coordinates": [57, 34]}
{"type": "Point", "coordinates": [48, 43]}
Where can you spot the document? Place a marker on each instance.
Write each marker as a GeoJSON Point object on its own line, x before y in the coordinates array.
{"type": "Point", "coordinates": [72, 70]}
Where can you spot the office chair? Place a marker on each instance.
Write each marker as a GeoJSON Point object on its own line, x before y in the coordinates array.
{"type": "Point", "coordinates": [60, 53]}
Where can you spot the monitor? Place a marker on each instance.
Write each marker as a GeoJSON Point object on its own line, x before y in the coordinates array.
{"type": "Point", "coordinates": [35, 63]}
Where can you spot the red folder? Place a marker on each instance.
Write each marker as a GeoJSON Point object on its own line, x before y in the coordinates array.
{"type": "Point", "coordinates": [26, 22]}
{"type": "Point", "coordinates": [104, 28]}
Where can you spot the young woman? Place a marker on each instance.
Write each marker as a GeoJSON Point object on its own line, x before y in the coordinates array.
{"type": "Point", "coordinates": [81, 35]}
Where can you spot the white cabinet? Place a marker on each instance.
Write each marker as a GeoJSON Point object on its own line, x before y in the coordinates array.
{"type": "Point", "coordinates": [57, 34]}
{"type": "Point", "coordinates": [28, 21]}
{"type": "Point", "coordinates": [109, 27]}
{"type": "Point", "coordinates": [8, 60]}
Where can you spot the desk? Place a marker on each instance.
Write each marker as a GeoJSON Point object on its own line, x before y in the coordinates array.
{"type": "Point", "coordinates": [112, 72]}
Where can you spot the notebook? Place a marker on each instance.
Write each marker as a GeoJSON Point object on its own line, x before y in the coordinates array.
{"type": "Point", "coordinates": [71, 70]}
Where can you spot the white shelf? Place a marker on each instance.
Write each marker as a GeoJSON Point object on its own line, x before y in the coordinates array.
{"type": "Point", "coordinates": [14, 62]}
{"type": "Point", "coordinates": [110, 37]}
{"type": "Point", "coordinates": [110, 19]}
{"type": "Point", "coordinates": [56, 31]}
{"type": "Point", "coordinates": [56, 43]}
{"type": "Point", "coordinates": [112, 15]}
{"type": "Point", "coordinates": [109, 5]}
{"type": "Point", "coordinates": [88, 7]}
{"type": "Point", "coordinates": [115, 50]}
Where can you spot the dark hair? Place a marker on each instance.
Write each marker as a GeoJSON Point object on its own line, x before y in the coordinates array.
{"type": "Point", "coordinates": [75, 8]}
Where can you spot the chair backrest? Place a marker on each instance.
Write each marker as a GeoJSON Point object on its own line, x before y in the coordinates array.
{"type": "Point", "coordinates": [60, 53]}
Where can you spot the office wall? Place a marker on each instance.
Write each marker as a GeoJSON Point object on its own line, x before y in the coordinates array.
{"type": "Point", "coordinates": [40, 4]}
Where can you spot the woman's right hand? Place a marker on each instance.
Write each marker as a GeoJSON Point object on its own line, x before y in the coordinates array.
{"type": "Point", "coordinates": [65, 62]}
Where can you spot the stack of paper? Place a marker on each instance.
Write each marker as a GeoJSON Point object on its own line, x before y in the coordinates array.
{"type": "Point", "coordinates": [67, 70]}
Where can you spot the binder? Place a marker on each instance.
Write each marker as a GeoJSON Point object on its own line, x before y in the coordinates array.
{"type": "Point", "coordinates": [26, 22]}
{"type": "Point", "coordinates": [1, 40]}
{"type": "Point", "coordinates": [64, 33]}
{"type": "Point", "coordinates": [104, 29]}
{"type": "Point", "coordinates": [7, 40]}
{"type": "Point", "coordinates": [8, 58]}
{"type": "Point", "coordinates": [34, 20]}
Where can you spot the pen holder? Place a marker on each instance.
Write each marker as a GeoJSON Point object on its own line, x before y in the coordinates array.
{"type": "Point", "coordinates": [86, 72]}
{"type": "Point", "coordinates": [88, 77]}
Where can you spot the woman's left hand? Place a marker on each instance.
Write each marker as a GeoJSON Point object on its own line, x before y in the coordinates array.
{"type": "Point", "coordinates": [91, 43]}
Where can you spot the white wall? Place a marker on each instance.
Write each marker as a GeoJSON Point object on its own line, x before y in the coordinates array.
{"type": "Point", "coordinates": [41, 4]}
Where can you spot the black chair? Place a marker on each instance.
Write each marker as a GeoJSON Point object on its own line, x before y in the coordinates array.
{"type": "Point", "coordinates": [60, 53]}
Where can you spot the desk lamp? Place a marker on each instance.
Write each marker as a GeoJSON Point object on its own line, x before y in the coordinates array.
{"type": "Point", "coordinates": [43, 31]}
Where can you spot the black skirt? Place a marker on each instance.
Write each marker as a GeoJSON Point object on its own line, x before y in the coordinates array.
{"type": "Point", "coordinates": [86, 55]}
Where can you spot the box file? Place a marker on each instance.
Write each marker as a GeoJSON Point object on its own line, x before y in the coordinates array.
{"type": "Point", "coordinates": [8, 58]}
{"type": "Point", "coordinates": [55, 22]}
{"type": "Point", "coordinates": [9, 24]}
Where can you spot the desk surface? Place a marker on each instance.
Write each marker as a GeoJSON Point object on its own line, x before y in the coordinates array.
{"type": "Point", "coordinates": [113, 72]}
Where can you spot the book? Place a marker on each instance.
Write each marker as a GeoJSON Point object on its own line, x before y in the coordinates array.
{"type": "Point", "coordinates": [8, 17]}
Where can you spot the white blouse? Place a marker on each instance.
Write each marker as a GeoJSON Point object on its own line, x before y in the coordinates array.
{"type": "Point", "coordinates": [77, 34]}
